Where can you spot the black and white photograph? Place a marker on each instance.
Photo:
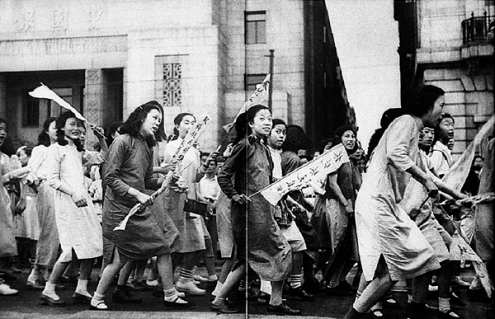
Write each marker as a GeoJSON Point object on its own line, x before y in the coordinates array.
{"type": "Point", "coordinates": [247, 159]}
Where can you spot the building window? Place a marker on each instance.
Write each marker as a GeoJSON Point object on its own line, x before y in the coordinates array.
{"type": "Point", "coordinates": [251, 80]}
{"type": "Point", "coordinates": [172, 84]}
{"type": "Point", "coordinates": [31, 113]}
{"type": "Point", "coordinates": [255, 27]}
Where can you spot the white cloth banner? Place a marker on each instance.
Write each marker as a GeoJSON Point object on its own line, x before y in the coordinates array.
{"type": "Point", "coordinates": [311, 174]}
{"type": "Point", "coordinates": [259, 96]}
{"type": "Point", "coordinates": [44, 92]}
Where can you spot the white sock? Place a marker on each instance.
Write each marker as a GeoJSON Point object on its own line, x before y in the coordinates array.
{"type": "Point", "coordinates": [212, 278]}
{"type": "Point", "coordinates": [82, 287]}
{"type": "Point", "coordinates": [98, 296]}
{"type": "Point", "coordinates": [409, 298]}
{"type": "Point", "coordinates": [444, 304]}
{"type": "Point", "coordinates": [33, 275]}
{"type": "Point", "coordinates": [217, 288]}
{"type": "Point", "coordinates": [266, 287]}
{"type": "Point", "coordinates": [172, 295]}
{"type": "Point", "coordinates": [50, 291]}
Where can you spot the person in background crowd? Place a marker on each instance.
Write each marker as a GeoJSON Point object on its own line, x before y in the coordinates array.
{"type": "Point", "coordinates": [484, 220]}
{"type": "Point", "coordinates": [226, 241]}
{"type": "Point", "coordinates": [285, 218]}
{"type": "Point", "coordinates": [47, 248]}
{"type": "Point", "coordinates": [387, 117]}
{"type": "Point", "coordinates": [296, 140]}
{"type": "Point", "coordinates": [7, 240]}
{"type": "Point", "coordinates": [473, 179]}
{"type": "Point", "coordinates": [26, 216]}
{"type": "Point", "coordinates": [191, 226]}
{"type": "Point", "coordinates": [209, 191]}
{"type": "Point", "coordinates": [434, 233]}
{"type": "Point", "coordinates": [441, 156]}
{"type": "Point", "coordinates": [441, 160]}
{"type": "Point", "coordinates": [341, 190]}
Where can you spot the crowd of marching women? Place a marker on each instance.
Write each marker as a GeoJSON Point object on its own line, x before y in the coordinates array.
{"type": "Point", "coordinates": [149, 215]}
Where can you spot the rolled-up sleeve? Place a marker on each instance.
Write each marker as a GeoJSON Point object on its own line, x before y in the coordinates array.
{"type": "Point", "coordinates": [399, 137]}
{"type": "Point", "coordinates": [113, 168]}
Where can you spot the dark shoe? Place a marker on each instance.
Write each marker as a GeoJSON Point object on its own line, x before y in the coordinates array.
{"type": "Point", "coordinates": [311, 285]}
{"type": "Point", "coordinates": [139, 285]}
{"type": "Point", "coordinates": [283, 309]}
{"type": "Point", "coordinates": [52, 302]}
{"type": "Point", "coordinates": [158, 292]}
{"type": "Point", "coordinates": [418, 310]}
{"type": "Point", "coordinates": [36, 285]}
{"type": "Point", "coordinates": [299, 294]}
{"type": "Point", "coordinates": [223, 308]}
{"type": "Point", "coordinates": [477, 295]}
{"type": "Point", "coordinates": [241, 294]}
{"type": "Point", "coordinates": [175, 304]}
{"type": "Point", "coordinates": [263, 298]}
{"type": "Point", "coordinates": [122, 295]}
{"type": "Point", "coordinates": [143, 284]}
{"type": "Point", "coordinates": [7, 277]}
{"type": "Point", "coordinates": [81, 298]}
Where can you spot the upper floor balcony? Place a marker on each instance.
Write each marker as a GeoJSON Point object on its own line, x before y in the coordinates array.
{"type": "Point", "coordinates": [475, 31]}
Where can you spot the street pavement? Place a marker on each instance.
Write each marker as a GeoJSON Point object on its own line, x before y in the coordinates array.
{"type": "Point", "coordinates": [26, 305]}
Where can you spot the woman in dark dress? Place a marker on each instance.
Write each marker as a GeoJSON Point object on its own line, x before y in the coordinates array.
{"type": "Point", "coordinates": [263, 248]}
{"type": "Point", "coordinates": [128, 173]}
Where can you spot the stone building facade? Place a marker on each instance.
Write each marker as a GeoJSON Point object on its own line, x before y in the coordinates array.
{"type": "Point", "coordinates": [198, 56]}
{"type": "Point", "coordinates": [444, 43]}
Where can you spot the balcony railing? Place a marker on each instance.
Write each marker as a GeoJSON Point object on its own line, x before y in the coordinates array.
{"type": "Point", "coordinates": [475, 29]}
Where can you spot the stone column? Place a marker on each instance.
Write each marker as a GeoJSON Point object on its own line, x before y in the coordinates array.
{"type": "Point", "coordinates": [94, 98]}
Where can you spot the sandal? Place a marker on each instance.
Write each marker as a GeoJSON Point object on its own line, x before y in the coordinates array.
{"type": "Point", "coordinates": [175, 304]}
{"type": "Point", "coordinates": [377, 313]}
{"type": "Point", "coordinates": [449, 315]}
{"type": "Point", "coordinates": [98, 305]}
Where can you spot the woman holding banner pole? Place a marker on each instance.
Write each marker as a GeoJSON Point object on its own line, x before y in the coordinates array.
{"type": "Point", "coordinates": [260, 242]}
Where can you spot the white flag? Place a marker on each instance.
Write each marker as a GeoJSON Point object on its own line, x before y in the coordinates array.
{"type": "Point", "coordinates": [311, 174]}
{"type": "Point", "coordinates": [457, 174]}
{"type": "Point", "coordinates": [44, 92]}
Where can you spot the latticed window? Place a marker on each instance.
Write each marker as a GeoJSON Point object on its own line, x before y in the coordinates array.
{"type": "Point", "coordinates": [172, 84]}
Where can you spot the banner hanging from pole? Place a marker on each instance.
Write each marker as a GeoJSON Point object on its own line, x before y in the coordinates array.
{"type": "Point", "coordinates": [311, 174]}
